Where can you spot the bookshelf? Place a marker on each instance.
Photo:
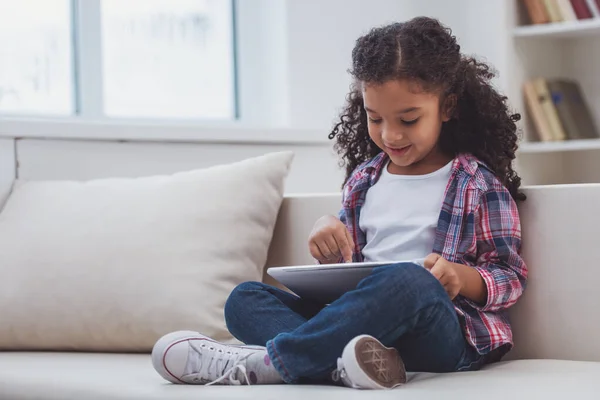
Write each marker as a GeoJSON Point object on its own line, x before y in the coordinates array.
{"type": "Point", "coordinates": [568, 50]}
{"type": "Point", "coordinates": [559, 146]}
{"type": "Point", "coordinates": [559, 30]}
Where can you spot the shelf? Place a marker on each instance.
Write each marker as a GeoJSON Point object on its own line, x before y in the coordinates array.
{"type": "Point", "coordinates": [567, 145]}
{"type": "Point", "coordinates": [558, 30]}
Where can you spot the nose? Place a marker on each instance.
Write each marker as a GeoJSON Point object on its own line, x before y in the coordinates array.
{"type": "Point", "coordinates": [392, 135]}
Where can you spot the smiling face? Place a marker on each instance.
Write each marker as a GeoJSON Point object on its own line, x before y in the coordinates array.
{"type": "Point", "coordinates": [406, 122]}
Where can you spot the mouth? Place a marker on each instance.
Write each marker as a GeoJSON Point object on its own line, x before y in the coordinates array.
{"type": "Point", "coordinates": [398, 151]}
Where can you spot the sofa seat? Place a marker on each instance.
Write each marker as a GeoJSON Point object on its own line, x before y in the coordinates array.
{"type": "Point", "coordinates": [87, 376]}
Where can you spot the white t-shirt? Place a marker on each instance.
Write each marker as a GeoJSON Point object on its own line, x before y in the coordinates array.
{"type": "Point", "coordinates": [400, 215]}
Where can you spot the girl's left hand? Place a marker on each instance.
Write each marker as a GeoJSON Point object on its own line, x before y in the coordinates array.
{"type": "Point", "coordinates": [444, 272]}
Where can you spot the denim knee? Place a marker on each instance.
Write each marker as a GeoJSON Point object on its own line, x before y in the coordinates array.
{"type": "Point", "coordinates": [402, 277]}
{"type": "Point", "coordinates": [236, 306]}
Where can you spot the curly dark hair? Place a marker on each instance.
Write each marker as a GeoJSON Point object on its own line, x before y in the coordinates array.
{"type": "Point", "coordinates": [425, 51]}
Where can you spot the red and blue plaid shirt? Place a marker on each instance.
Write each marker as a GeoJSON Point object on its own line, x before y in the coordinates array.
{"type": "Point", "coordinates": [478, 226]}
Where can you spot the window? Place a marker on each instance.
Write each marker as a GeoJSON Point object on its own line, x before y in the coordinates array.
{"type": "Point", "coordinates": [35, 57]}
{"type": "Point", "coordinates": [166, 58]}
{"type": "Point", "coordinates": [133, 59]}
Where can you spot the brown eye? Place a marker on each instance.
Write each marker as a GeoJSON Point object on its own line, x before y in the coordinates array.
{"type": "Point", "coordinates": [375, 121]}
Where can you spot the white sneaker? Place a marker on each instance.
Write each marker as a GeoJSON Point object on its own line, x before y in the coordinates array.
{"type": "Point", "coordinates": [189, 357]}
{"type": "Point", "coordinates": [368, 364]}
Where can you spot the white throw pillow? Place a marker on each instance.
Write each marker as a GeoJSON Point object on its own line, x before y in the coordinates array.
{"type": "Point", "coordinates": [113, 264]}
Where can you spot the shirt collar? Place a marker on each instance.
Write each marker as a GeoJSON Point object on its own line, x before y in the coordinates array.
{"type": "Point", "coordinates": [369, 172]}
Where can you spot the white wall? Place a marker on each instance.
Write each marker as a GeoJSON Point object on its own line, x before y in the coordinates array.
{"type": "Point", "coordinates": [303, 56]}
{"type": "Point", "coordinates": [7, 168]}
{"type": "Point", "coordinates": [321, 35]}
{"type": "Point", "coordinates": [313, 170]}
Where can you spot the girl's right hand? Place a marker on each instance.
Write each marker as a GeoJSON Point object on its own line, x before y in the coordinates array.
{"type": "Point", "coordinates": [330, 240]}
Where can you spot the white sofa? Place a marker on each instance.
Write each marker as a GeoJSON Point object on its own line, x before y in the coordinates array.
{"type": "Point", "coordinates": [556, 324]}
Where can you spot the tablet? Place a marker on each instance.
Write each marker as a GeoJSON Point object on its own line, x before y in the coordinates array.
{"type": "Point", "coordinates": [325, 283]}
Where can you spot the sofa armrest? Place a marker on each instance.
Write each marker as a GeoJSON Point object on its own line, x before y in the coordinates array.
{"type": "Point", "coordinates": [557, 316]}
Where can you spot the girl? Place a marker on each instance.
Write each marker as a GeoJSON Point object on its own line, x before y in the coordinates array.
{"type": "Point", "coordinates": [423, 128]}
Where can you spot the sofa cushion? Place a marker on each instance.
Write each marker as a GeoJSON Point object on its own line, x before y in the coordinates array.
{"type": "Point", "coordinates": [557, 316]}
{"type": "Point", "coordinates": [113, 264]}
{"type": "Point", "coordinates": [75, 376]}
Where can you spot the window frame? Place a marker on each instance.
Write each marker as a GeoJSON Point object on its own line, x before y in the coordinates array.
{"type": "Point", "coordinates": [86, 16]}
{"type": "Point", "coordinates": [262, 89]}
{"type": "Point", "coordinates": [87, 58]}
{"type": "Point", "coordinates": [87, 70]}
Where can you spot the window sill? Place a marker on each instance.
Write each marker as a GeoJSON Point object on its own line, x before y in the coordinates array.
{"type": "Point", "coordinates": [148, 131]}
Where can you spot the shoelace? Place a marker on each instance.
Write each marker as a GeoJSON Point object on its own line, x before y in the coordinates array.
{"type": "Point", "coordinates": [216, 371]}
{"type": "Point", "coordinates": [231, 372]}
{"type": "Point", "coordinates": [339, 374]}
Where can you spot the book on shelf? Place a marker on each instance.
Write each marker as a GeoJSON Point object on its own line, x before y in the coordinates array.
{"type": "Point", "coordinates": [582, 9]}
{"type": "Point", "coordinates": [594, 6]}
{"type": "Point", "coordinates": [537, 11]}
{"type": "Point", "coordinates": [536, 112]}
{"type": "Point", "coordinates": [558, 110]}
{"type": "Point", "coordinates": [550, 112]}
{"type": "Point", "coordinates": [552, 11]}
{"type": "Point", "coordinates": [566, 11]}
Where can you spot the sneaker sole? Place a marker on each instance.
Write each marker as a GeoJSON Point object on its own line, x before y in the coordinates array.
{"type": "Point", "coordinates": [381, 364]}
{"type": "Point", "coordinates": [169, 340]}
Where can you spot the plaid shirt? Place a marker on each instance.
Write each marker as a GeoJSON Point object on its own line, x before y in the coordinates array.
{"type": "Point", "coordinates": [478, 226]}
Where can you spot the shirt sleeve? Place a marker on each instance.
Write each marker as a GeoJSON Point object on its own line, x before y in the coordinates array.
{"type": "Point", "coordinates": [498, 238]}
{"type": "Point", "coordinates": [342, 216]}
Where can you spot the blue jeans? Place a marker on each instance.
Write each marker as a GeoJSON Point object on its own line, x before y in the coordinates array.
{"type": "Point", "coordinates": [402, 305]}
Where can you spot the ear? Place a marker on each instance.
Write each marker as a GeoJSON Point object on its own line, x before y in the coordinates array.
{"type": "Point", "coordinates": [449, 108]}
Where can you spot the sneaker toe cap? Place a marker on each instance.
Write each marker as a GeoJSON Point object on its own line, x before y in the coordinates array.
{"type": "Point", "coordinates": [170, 361]}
